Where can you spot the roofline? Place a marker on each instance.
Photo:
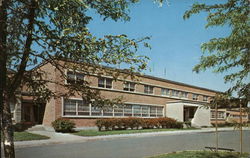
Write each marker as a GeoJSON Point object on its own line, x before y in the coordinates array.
{"type": "Point", "coordinates": [180, 83]}
{"type": "Point", "coordinates": [138, 74]}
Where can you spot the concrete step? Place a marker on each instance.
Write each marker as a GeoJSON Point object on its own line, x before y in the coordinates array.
{"type": "Point", "coordinates": [36, 128]}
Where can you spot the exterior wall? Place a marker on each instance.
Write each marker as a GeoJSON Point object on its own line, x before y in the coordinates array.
{"type": "Point", "coordinates": [175, 111]}
{"type": "Point", "coordinates": [54, 108]}
{"type": "Point", "coordinates": [201, 117]}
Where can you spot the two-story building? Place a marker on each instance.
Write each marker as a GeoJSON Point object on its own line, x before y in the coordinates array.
{"type": "Point", "coordinates": [146, 97]}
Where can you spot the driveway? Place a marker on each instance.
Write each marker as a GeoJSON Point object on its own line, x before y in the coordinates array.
{"type": "Point", "coordinates": [135, 147]}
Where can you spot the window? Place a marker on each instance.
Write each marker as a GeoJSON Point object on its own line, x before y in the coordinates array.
{"type": "Point", "coordinates": [137, 110]}
{"type": "Point", "coordinates": [205, 98]}
{"type": "Point", "coordinates": [184, 94]}
{"type": "Point", "coordinates": [75, 77]}
{"type": "Point", "coordinates": [75, 107]}
{"type": "Point", "coordinates": [195, 96]}
{"type": "Point", "coordinates": [148, 89]}
{"type": "Point", "coordinates": [175, 93]}
{"type": "Point", "coordinates": [129, 86]}
{"type": "Point", "coordinates": [220, 115]}
{"type": "Point", "coordinates": [105, 82]}
{"type": "Point", "coordinates": [165, 91]}
{"type": "Point", "coordinates": [128, 110]}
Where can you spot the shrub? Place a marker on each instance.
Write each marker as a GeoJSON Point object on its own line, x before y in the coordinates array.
{"type": "Point", "coordinates": [63, 125]}
{"type": "Point", "coordinates": [133, 122]}
{"type": "Point", "coordinates": [22, 126]}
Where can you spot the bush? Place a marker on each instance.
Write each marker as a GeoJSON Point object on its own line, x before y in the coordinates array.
{"type": "Point", "coordinates": [63, 125]}
{"type": "Point", "coordinates": [22, 126]}
{"type": "Point", "coordinates": [132, 123]}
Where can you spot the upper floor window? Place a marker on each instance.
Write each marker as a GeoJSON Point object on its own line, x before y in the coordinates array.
{"type": "Point", "coordinates": [75, 77]}
{"type": "Point", "coordinates": [195, 96]}
{"type": "Point", "coordinates": [148, 89]}
{"type": "Point", "coordinates": [184, 94]}
{"type": "Point", "coordinates": [175, 93]}
{"type": "Point", "coordinates": [129, 86]}
{"type": "Point", "coordinates": [205, 98]}
{"type": "Point", "coordinates": [165, 91]}
{"type": "Point", "coordinates": [105, 82]}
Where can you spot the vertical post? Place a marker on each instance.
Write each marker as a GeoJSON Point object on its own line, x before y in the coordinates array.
{"type": "Point", "coordinates": [241, 132]}
{"type": "Point", "coordinates": [216, 127]}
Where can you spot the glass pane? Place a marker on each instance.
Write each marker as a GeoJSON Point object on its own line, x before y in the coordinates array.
{"type": "Point", "coordinates": [96, 111]}
{"type": "Point", "coordinates": [108, 83]}
{"type": "Point", "coordinates": [145, 111]}
{"type": "Point", "coordinates": [118, 111]}
{"type": "Point", "coordinates": [159, 111]}
{"type": "Point", "coordinates": [69, 107]}
{"type": "Point", "coordinates": [108, 112]}
{"type": "Point", "coordinates": [70, 77]}
{"type": "Point", "coordinates": [128, 110]}
{"type": "Point", "coordinates": [137, 110]}
{"type": "Point", "coordinates": [132, 87]}
{"type": "Point", "coordinates": [126, 86]}
{"type": "Point", "coordinates": [152, 111]}
{"type": "Point", "coordinates": [101, 82]}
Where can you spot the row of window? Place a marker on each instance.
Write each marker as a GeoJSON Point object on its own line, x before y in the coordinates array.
{"type": "Point", "coordinates": [74, 107]}
{"type": "Point", "coordinates": [130, 86]}
{"type": "Point", "coordinates": [221, 115]}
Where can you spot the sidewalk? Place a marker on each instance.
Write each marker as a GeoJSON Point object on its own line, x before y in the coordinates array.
{"type": "Point", "coordinates": [63, 138]}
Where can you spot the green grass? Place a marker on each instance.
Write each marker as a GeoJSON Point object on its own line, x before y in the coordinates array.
{"type": "Point", "coordinates": [25, 136]}
{"type": "Point", "coordinates": [101, 133]}
{"type": "Point", "coordinates": [202, 154]}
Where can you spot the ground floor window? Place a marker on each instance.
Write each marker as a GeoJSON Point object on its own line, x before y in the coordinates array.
{"type": "Point", "coordinates": [75, 107]}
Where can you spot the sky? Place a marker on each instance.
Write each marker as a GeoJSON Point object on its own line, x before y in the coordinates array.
{"type": "Point", "coordinates": [175, 42]}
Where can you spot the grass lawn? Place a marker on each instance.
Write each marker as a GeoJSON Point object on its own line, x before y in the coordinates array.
{"type": "Point", "coordinates": [25, 136]}
{"type": "Point", "coordinates": [101, 133]}
{"type": "Point", "coordinates": [202, 154]}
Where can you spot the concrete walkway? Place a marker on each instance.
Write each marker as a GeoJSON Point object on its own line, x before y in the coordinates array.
{"type": "Point", "coordinates": [63, 138]}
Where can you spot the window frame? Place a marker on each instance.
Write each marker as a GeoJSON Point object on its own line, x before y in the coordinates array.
{"type": "Point", "coordinates": [105, 82]}
{"type": "Point", "coordinates": [148, 89]}
{"type": "Point", "coordinates": [75, 79]}
{"type": "Point", "coordinates": [129, 86]}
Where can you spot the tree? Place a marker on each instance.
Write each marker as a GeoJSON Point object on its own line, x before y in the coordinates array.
{"type": "Point", "coordinates": [230, 54]}
{"type": "Point", "coordinates": [35, 31]}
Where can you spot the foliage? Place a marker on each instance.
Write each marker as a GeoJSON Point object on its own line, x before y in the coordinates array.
{"type": "Point", "coordinates": [137, 123]}
{"type": "Point", "coordinates": [228, 54]}
{"type": "Point", "coordinates": [63, 125]}
{"type": "Point", "coordinates": [22, 126]}
{"type": "Point", "coordinates": [26, 136]}
{"type": "Point", "coordinates": [202, 154]}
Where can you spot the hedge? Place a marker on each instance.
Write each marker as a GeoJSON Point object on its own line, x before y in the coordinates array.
{"type": "Point", "coordinates": [137, 123]}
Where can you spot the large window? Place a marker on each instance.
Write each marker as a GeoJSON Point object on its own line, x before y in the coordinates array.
{"type": "Point", "coordinates": [129, 86]}
{"type": "Point", "coordinates": [148, 89]}
{"type": "Point", "coordinates": [105, 82]}
{"type": "Point", "coordinates": [75, 77]}
{"type": "Point", "coordinates": [73, 107]}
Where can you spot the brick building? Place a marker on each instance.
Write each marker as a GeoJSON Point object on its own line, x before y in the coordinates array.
{"type": "Point", "coordinates": [146, 97]}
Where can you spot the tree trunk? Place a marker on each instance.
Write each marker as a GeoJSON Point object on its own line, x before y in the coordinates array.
{"type": "Point", "coordinates": [8, 134]}
{"type": "Point", "coordinates": [216, 127]}
{"type": "Point", "coordinates": [241, 132]}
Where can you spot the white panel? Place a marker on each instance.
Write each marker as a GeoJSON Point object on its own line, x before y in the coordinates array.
{"type": "Point", "coordinates": [175, 110]}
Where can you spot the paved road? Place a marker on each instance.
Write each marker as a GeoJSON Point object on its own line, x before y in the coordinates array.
{"type": "Point", "coordinates": [135, 147]}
